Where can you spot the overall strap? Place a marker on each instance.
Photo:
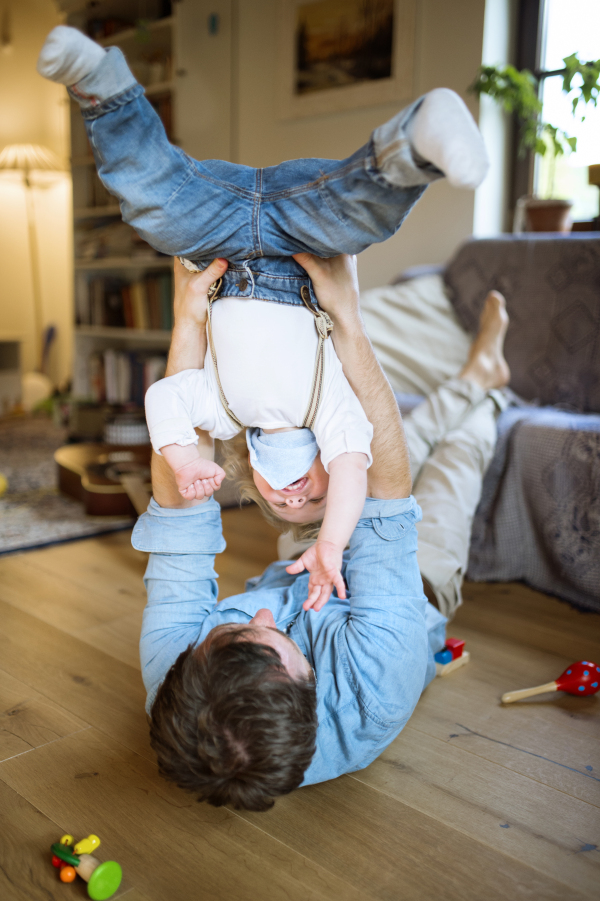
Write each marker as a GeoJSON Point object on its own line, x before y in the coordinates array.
{"type": "Point", "coordinates": [213, 293]}
{"type": "Point", "coordinates": [323, 325]}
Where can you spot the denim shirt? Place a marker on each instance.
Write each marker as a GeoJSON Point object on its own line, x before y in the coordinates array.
{"type": "Point", "coordinates": [372, 653]}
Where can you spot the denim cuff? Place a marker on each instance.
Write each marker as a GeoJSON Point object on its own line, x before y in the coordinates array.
{"type": "Point", "coordinates": [375, 508]}
{"type": "Point", "coordinates": [110, 84]}
{"type": "Point", "coordinates": [185, 530]}
{"type": "Point", "coordinates": [391, 158]}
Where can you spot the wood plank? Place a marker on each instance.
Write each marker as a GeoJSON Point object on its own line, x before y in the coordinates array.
{"type": "Point", "coordinates": [88, 683]}
{"type": "Point", "coordinates": [170, 847]}
{"type": "Point", "coordinates": [28, 720]}
{"type": "Point", "coordinates": [26, 873]}
{"type": "Point", "coordinates": [464, 710]}
{"type": "Point", "coordinates": [531, 619]}
{"type": "Point", "coordinates": [55, 599]}
{"type": "Point", "coordinates": [108, 565]}
{"type": "Point", "coordinates": [120, 638]}
{"type": "Point", "coordinates": [504, 810]}
{"type": "Point", "coordinates": [394, 851]}
{"type": "Point", "coordinates": [501, 666]}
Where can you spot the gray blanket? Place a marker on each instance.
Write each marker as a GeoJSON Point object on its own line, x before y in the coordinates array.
{"type": "Point", "coordinates": [539, 515]}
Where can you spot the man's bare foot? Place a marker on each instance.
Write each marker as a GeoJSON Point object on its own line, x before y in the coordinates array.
{"type": "Point", "coordinates": [486, 365]}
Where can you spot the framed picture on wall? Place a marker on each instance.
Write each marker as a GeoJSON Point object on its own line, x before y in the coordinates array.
{"type": "Point", "coordinates": [343, 54]}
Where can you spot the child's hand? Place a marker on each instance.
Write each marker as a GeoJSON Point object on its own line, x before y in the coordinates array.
{"type": "Point", "coordinates": [196, 477]}
{"type": "Point", "coordinates": [199, 479]}
{"type": "Point", "coordinates": [324, 562]}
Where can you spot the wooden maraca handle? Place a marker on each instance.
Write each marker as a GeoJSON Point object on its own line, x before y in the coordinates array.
{"type": "Point", "coordinates": [510, 696]}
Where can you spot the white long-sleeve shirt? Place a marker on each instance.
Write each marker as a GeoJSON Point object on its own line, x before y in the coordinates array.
{"type": "Point", "coordinates": [266, 357]}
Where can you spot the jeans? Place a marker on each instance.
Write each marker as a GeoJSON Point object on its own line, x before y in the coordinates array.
{"type": "Point", "coordinates": [255, 218]}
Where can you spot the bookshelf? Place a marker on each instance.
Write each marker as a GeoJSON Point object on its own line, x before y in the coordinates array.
{"type": "Point", "coordinates": [123, 289]}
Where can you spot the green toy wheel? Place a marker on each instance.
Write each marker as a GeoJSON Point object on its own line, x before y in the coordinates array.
{"type": "Point", "coordinates": [105, 880]}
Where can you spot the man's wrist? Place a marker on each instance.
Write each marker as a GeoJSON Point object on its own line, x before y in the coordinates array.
{"type": "Point", "coordinates": [183, 321]}
{"type": "Point", "coordinates": [348, 322]}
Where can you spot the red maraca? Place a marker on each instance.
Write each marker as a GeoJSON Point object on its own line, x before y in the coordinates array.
{"type": "Point", "coordinates": [579, 679]}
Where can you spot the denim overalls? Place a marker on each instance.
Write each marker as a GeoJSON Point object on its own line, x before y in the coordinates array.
{"type": "Point", "coordinates": [254, 218]}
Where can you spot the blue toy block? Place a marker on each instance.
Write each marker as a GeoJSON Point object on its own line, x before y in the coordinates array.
{"type": "Point", "coordinates": [443, 657]}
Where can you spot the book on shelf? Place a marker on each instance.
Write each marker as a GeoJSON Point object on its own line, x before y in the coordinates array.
{"type": "Point", "coordinates": [121, 377]}
{"type": "Point", "coordinates": [107, 301]}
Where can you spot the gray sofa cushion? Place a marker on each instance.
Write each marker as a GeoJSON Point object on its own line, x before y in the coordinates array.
{"type": "Point", "coordinates": [539, 515]}
{"type": "Point", "coordinates": [552, 289]}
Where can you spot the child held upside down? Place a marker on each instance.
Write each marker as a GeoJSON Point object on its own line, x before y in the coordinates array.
{"type": "Point", "coordinates": [267, 369]}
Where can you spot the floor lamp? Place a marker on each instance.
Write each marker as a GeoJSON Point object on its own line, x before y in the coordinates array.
{"type": "Point", "coordinates": [25, 159]}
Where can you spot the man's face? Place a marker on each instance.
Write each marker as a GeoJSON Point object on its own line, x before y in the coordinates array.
{"type": "Point", "coordinates": [303, 501]}
{"type": "Point", "coordinates": [262, 630]}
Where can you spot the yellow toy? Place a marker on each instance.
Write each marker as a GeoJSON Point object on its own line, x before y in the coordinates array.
{"type": "Point", "coordinates": [87, 845]}
{"type": "Point", "coordinates": [67, 840]}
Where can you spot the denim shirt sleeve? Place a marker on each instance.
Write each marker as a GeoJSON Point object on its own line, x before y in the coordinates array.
{"type": "Point", "coordinates": [180, 580]}
{"type": "Point", "coordinates": [374, 660]}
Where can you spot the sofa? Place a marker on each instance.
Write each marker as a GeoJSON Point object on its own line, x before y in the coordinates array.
{"type": "Point", "coordinates": [539, 516]}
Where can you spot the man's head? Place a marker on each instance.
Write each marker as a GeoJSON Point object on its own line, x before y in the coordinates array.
{"type": "Point", "coordinates": [235, 719]}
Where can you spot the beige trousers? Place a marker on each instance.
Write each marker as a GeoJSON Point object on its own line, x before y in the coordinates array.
{"type": "Point", "coordinates": [451, 438]}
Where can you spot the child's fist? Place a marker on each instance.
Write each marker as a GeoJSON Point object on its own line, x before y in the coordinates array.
{"type": "Point", "coordinates": [199, 479]}
{"type": "Point", "coordinates": [324, 562]}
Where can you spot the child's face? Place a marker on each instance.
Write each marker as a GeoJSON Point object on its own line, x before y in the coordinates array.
{"type": "Point", "coordinates": [302, 502]}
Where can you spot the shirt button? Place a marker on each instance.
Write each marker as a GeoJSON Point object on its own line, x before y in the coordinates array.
{"type": "Point", "coordinates": [243, 284]}
{"type": "Point", "coordinates": [305, 293]}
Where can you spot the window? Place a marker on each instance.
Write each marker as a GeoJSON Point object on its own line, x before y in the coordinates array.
{"type": "Point", "coordinates": [569, 26]}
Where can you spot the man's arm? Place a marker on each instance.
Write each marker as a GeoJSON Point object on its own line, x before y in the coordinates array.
{"type": "Point", "coordinates": [187, 351]}
{"type": "Point", "coordinates": [336, 286]}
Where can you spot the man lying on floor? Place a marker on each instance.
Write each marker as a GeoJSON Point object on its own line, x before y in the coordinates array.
{"type": "Point", "coordinates": [252, 697]}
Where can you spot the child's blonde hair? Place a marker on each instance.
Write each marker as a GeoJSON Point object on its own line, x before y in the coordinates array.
{"type": "Point", "coordinates": [237, 467]}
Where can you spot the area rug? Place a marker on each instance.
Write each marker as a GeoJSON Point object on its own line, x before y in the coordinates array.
{"type": "Point", "coordinates": [33, 513]}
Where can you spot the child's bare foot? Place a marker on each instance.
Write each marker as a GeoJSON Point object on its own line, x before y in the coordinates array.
{"type": "Point", "coordinates": [486, 365]}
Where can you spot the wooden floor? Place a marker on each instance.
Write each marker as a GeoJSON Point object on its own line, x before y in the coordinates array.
{"type": "Point", "coordinates": [472, 801]}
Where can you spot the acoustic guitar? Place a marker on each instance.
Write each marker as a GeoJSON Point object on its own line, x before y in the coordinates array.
{"type": "Point", "coordinates": [110, 480]}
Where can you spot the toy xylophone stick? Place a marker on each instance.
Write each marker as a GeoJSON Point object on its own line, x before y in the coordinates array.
{"type": "Point", "coordinates": [510, 696]}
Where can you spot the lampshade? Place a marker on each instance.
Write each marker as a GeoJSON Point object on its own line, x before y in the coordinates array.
{"type": "Point", "coordinates": [27, 157]}
{"type": "Point", "coordinates": [594, 175]}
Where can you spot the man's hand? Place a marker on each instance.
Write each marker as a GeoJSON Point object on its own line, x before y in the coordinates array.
{"type": "Point", "coordinates": [196, 477]}
{"type": "Point", "coordinates": [335, 281]}
{"type": "Point", "coordinates": [191, 291]}
{"type": "Point", "coordinates": [324, 562]}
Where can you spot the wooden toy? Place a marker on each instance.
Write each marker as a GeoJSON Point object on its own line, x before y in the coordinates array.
{"type": "Point", "coordinates": [57, 862]}
{"type": "Point", "coordinates": [67, 840]}
{"type": "Point", "coordinates": [103, 879]}
{"type": "Point", "coordinates": [67, 873]}
{"type": "Point", "coordinates": [580, 679]}
{"type": "Point", "coordinates": [456, 645]}
{"type": "Point", "coordinates": [448, 668]}
{"type": "Point", "coordinates": [87, 845]}
{"type": "Point", "coordinates": [451, 657]}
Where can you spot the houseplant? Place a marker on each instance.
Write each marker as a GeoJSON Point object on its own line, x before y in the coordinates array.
{"type": "Point", "coordinates": [517, 92]}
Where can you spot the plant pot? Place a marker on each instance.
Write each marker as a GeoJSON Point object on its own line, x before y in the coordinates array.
{"type": "Point", "coordinates": [550, 215]}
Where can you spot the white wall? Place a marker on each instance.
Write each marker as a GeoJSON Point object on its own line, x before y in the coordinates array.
{"type": "Point", "coordinates": [491, 198]}
{"type": "Point", "coordinates": [33, 110]}
{"type": "Point", "coordinates": [448, 51]}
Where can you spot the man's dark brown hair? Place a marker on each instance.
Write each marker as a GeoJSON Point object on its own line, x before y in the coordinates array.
{"type": "Point", "coordinates": [230, 724]}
